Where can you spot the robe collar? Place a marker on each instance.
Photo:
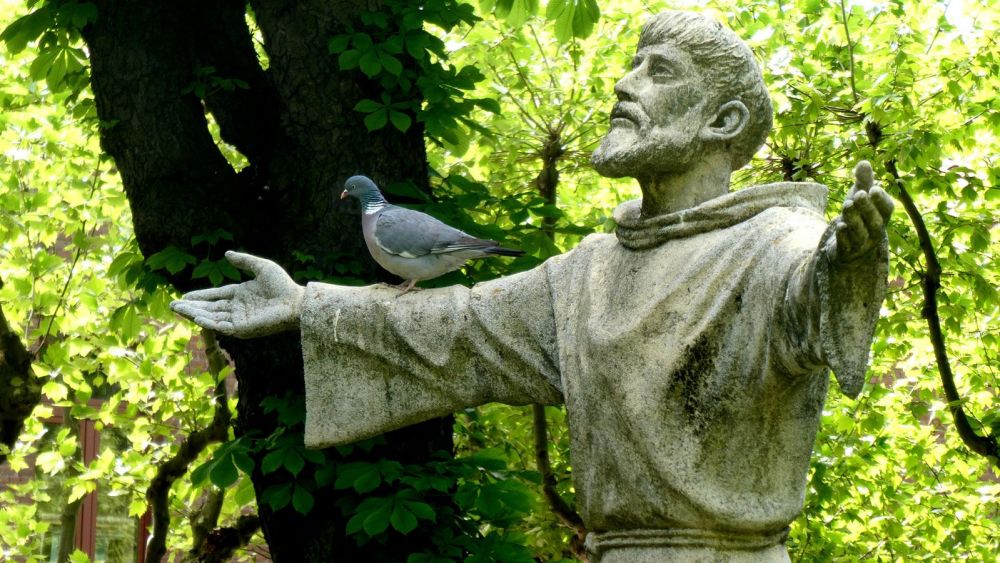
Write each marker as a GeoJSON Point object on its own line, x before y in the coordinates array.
{"type": "Point", "coordinates": [639, 233]}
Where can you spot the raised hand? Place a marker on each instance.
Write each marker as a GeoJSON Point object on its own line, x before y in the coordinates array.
{"type": "Point", "coordinates": [861, 224]}
{"type": "Point", "coordinates": [268, 304]}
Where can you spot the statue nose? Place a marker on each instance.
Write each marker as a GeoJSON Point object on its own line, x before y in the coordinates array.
{"type": "Point", "coordinates": [625, 88]}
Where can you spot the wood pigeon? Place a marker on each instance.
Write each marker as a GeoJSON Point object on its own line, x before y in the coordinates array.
{"type": "Point", "coordinates": [411, 244]}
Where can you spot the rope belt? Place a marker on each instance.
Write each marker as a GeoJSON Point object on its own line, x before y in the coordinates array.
{"type": "Point", "coordinates": [598, 543]}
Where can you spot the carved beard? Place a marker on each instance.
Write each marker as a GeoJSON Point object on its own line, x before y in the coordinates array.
{"type": "Point", "coordinates": [645, 150]}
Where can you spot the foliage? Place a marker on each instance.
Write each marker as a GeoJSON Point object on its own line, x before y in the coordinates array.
{"type": "Point", "coordinates": [913, 84]}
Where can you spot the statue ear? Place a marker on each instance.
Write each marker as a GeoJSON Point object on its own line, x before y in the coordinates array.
{"type": "Point", "coordinates": [727, 123]}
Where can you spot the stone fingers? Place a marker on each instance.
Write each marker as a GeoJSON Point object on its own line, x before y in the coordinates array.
{"type": "Point", "coordinates": [882, 201]}
{"type": "Point", "coordinates": [221, 305]}
{"type": "Point", "coordinates": [845, 246]}
{"type": "Point", "coordinates": [194, 310]}
{"type": "Point", "coordinates": [870, 215]}
{"type": "Point", "coordinates": [210, 294]}
{"type": "Point", "coordinates": [864, 176]}
{"type": "Point", "coordinates": [855, 230]}
{"type": "Point", "coordinates": [224, 327]}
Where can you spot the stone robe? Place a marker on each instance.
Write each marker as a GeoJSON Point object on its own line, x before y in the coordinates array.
{"type": "Point", "coordinates": [691, 351]}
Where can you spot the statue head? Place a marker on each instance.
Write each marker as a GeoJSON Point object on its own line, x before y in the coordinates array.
{"type": "Point", "coordinates": [694, 87]}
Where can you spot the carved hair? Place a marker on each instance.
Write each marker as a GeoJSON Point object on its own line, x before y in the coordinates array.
{"type": "Point", "coordinates": [729, 70]}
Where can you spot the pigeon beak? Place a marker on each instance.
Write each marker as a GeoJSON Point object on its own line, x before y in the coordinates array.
{"type": "Point", "coordinates": [343, 194]}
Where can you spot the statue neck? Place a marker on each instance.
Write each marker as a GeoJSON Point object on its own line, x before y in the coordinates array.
{"type": "Point", "coordinates": [707, 179]}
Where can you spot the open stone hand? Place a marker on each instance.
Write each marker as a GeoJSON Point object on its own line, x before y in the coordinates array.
{"type": "Point", "coordinates": [861, 224]}
{"type": "Point", "coordinates": [268, 304]}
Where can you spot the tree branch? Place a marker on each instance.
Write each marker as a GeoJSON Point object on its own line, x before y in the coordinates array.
{"type": "Point", "coordinates": [246, 114]}
{"type": "Point", "coordinates": [930, 279]}
{"type": "Point", "coordinates": [205, 519]}
{"type": "Point", "coordinates": [547, 184]}
{"type": "Point", "coordinates": [223, 542]}
{"type": "Point", "coordinates": [158, 492]}
{"type": "Point", "coordinates": [20, 390]}
{"type": "Point", "coordinates": [985, 446]}
{"type": "Point", "coordinates": [563, 511]}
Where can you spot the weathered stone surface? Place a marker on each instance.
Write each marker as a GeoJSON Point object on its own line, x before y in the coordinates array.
{"type": "Point", "coordinates": [691, 348]}
{"type": "Point", "coordinates": [693, 371]}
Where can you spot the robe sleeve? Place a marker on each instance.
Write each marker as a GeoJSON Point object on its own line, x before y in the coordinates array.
{"type": "Point", "coordinates": [376, 360]}
{"type": "Point", "coordinates": [829, 312]}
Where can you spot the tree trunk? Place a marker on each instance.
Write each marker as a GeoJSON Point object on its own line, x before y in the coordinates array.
{"type": "Point", "coordinates": [296, 125]}
{"type": "Point", "coordinates": [20, 390]}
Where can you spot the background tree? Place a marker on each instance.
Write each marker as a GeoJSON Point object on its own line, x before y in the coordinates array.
{"type": "Point", "coordinates": [232, 127]}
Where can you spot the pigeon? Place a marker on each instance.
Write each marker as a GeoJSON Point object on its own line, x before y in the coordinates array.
{"type": "Point", "coordinates": [411, 244]}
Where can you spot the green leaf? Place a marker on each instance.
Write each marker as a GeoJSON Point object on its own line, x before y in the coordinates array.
{"type": "Point", "coordinates": [223, 473]}
{"type": "Point", "coordinates": [208, 269]}
{"type": "Point", "coordinates": [349, 59]}
{"type": "Point", "coordinates": [586, 15]}
{"type": "Point", "coordinates": [421, 510]}
{"type": "Point", "coordinates": [368, 105]}
{"type": "Point", "coordinates": [272, 461]}
{"type": "Point", "coordinates": [355, 524]}
{"type": "Point", "coordinates": [402, 519]}
{"type": "Point", "coordinates": [378, 520]}
{"type": "Point", "coordinates": [302, 500]}
{"type": "Point", "coordinates": [338, 43]}
{"type": "Point", "coordinates": [555, 8]}
{"type": "Point", "coordinates": [407, 190]}
{"type": "Point", "coordinates": [488, 104]}
{"type": "Point", "coordinates": [377, 119]}
{"type": "Point", "coordinates": [243, 461]}
{"type": "Point", "coordinates": [390, 63]}
{"type": "Point", "coordinates": [369, 63]}
{"type": "Point", "coordinates": [293, 462]}
{"type": "Point", "coordinates": [211, 238]}
{"type": "Point", "coordinates": [200, 473]}
{"type": "Point", "coordinates": [277, 496]}
{"type": "Point", "coordinates": [367, 482]}
{"type": "Point", "coordinates": [400, 120]}
{"type": "Point", "coordinates": [171, 258]}
{"type": "Point", "coordinates": [40, 66]}
{"type": "Point", "coordinates": [26, 29]}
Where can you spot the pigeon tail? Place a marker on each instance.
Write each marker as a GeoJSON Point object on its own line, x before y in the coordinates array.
{"type": "Point", "coordinates": [501, 251]}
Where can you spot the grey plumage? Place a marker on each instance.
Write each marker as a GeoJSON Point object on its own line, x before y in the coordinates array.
{"type": "Point", "coordinates": [411, 244]}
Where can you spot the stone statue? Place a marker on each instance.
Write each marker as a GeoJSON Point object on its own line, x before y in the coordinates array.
{"type": "Point", "coordinates": [691, 348]}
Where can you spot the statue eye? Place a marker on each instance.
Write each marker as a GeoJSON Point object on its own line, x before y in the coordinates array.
{"type": "Point", "coordinates": [661, 69]}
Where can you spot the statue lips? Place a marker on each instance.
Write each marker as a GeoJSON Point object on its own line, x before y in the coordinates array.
{"type": "Point", "coordinates": [625, 114]}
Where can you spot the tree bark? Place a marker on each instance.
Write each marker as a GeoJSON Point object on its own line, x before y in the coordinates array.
{"type": "Point", "coordinates": [296, 125]}
{"type": "Point", "coordinates": [20, 390]}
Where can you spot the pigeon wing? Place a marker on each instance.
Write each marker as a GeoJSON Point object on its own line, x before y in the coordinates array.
{"type": "Point", "coordinates": [410, 234]}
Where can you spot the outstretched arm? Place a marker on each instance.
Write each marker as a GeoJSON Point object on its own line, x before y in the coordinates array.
{"type": "Point", "coordinates": [268, 304]}
{"type": "Point", "coordinates": [376, 360]}
{"type": "Point", "coordinates": [833, 298]}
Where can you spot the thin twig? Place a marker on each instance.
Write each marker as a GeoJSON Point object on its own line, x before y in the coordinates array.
{"type": "Point", "coordinates": [535, 100]}
{"type": "Point", "coordinates": [545, 60]}
{"type": "Point", "coordinates": [520, 108]}
{"type": "Point", "coordinates": [40, 347]}
{"type": "Point", "coordinates": [158, 493]}
{"type": "Point", "coordinates": [850, 50]}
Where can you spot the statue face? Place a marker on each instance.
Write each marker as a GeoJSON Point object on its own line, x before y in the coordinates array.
{"type": "Point", "coordinates": [660, 111]}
